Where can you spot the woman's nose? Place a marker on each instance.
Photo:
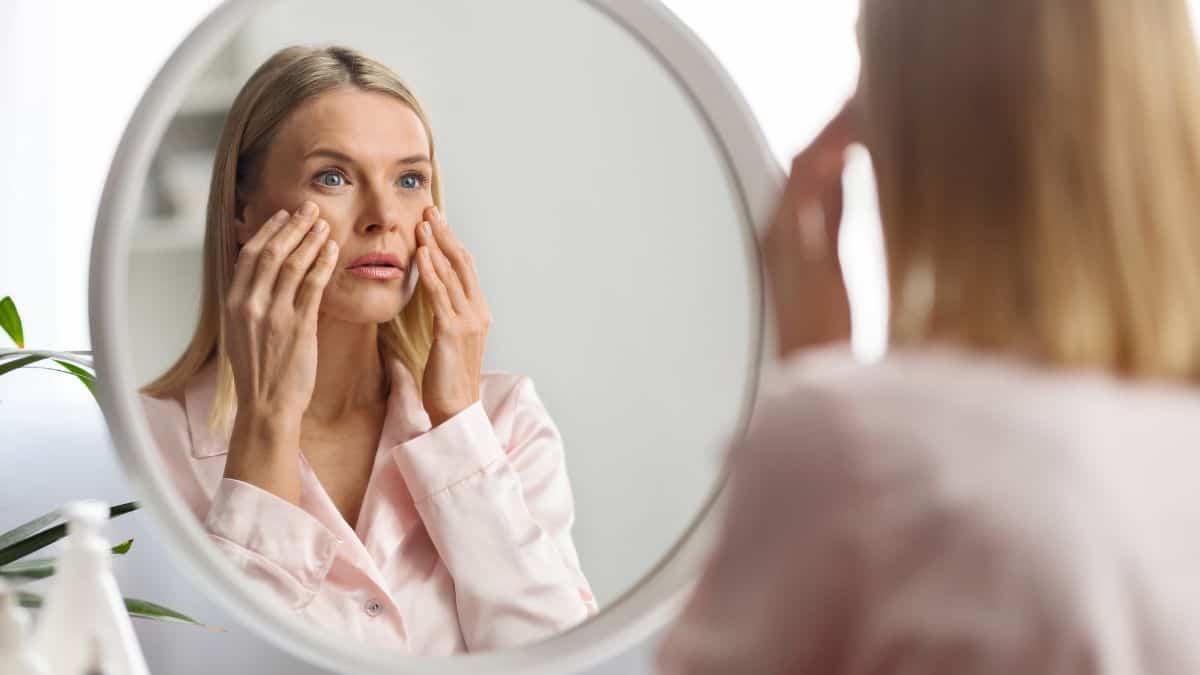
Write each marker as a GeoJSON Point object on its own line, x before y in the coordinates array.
{"type": "Point", "coordinates": [382, 213]}
{"type": "Point", "coordinates": [375, 227]}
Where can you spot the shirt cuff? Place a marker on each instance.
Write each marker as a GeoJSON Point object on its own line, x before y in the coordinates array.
{"type": "Point", "coordinates": [286, 537]}
{"type": "Point", "coordinates": [456, 449]}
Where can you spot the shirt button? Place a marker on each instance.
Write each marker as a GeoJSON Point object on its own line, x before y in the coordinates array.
{"type": "Point", "coordinates": [373, 607]}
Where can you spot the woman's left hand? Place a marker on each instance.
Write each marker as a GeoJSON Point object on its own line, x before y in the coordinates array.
{"type": "Point", "coordinates": [461, 320]}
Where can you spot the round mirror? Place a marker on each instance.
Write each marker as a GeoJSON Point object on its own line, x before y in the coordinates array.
{"type": "Point", "coordinates": [605, 178]}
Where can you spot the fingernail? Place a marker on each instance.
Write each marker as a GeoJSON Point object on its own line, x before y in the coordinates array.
{"type": "Point", "coordinates": [280, 216]}
{"type": "Point", "coordinates": [308, 210]}
{"type": "Point", "coordinates": [436, 214]}
{"type": "Point", "coordinates": [427, 229]}
{"type": "Point", "coordinates": [321, 226]}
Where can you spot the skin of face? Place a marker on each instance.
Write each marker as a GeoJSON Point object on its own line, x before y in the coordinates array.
{"type": "Point", "coordinates": [363, 158]}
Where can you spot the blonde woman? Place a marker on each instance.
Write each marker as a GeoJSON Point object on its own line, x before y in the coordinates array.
{"type": "Point", "coordinates": [1012, 489]}
{"type": "Point", "coordinates": [329, 422]}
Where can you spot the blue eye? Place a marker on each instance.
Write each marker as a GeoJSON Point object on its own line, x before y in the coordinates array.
{"type": "Point", "coordinates": [412, 181]}
{"type": "Point", "coordinates": [331, 179]}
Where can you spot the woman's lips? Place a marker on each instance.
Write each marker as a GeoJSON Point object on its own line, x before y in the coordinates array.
{"type": "Point", "coordinates": [376, 272]}
{"type": "Point", "coordinates": [380, 265]}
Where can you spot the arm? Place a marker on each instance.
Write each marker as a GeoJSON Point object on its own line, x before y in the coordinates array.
{"type": "Point", "coordinates": [271, 317]}
{"type": "Point", "coordinates": [500, 518]}
{"type": "Point", "coordinates": [278, 546]}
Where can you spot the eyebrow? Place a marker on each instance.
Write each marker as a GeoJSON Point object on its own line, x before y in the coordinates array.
{"type": "Point", "coordinates": [418, 158]}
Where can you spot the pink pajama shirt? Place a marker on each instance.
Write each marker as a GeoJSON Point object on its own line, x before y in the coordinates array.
{"type": "Point", "coordinates": [952, 513]}
{"type": "Point", "coordinates": [463, 542]}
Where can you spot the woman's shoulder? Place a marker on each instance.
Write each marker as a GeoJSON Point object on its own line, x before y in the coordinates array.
{"type": "Point", "coordinates": [170, 403]}
{"type": "Point", "coordinates": [927, 389]}
{"type": "Point", "coordinates": [937, 433]}
{"type": "Point", "coordinates": [901, 451]}
{"type": "Point", "coordinates": [933, 428]}
{"type": "Point", "coordinates": [164, 409]}
{"type": "Point", "coordinates": [959, 480]}
{"type": "Point", "coordinates": [836, 371]}
{"type": "Point", "coordinates": [167, 418]}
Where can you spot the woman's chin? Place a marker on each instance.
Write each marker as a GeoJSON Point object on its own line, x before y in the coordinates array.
{"type": "Point", "coordinates": [364, 309]}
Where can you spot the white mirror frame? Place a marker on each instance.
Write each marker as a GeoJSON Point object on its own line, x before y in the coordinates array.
{"type": "Point", "coordinates": [648, 606]}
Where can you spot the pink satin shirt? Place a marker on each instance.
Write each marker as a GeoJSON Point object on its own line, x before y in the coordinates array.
{"type": "Point", "coordinates": [463, 542]}
{"type": "Point", "coordinates": [951, 513]}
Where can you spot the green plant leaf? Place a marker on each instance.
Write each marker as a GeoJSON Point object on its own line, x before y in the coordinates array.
{"type": "Point", "coordinates": [29, 600]}
{"type": "Point", "coordinates": [23, 547]}
{"type": "Point", "coordinates": [140, 609]}
{"type": "Point", "coordinates": [41, 568]}
{"type": "Point", "coordinates": [88, 379]}
{"type": "Point", "coordinates": [79, 371]}
{"type": "Point", "coordinates": [29, 569]}
{"type": "Point", "coordinates": [32, 527]}
{"type": "Point", "coordinates": [148, 610]}
{"type": "Point", "coordinates": [19, 363]}
{"type": "Point", "coordinates": [10, 321]}
{"type": "Point", "coordinates": [82, 375]}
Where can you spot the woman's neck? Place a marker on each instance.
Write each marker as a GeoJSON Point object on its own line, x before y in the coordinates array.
{"type": "Point", "coordinates": [350, 373]}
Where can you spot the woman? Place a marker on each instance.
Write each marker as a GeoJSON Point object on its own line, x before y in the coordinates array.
{"type": "Point", "coordinates": [1012, 488]}
{"type": "Point", "coordinates": [329, 422]}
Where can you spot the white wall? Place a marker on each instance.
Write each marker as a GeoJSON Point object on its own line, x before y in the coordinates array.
{"type": "Point", "coordinates": [72, 72]}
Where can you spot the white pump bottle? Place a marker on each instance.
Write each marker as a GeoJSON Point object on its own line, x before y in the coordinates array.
{"type": "Point", "coordinates": [83, 623]}
{"type": "Point", "coordinates": [17, 656]}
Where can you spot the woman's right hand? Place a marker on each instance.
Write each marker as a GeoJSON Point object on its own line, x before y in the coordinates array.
{"type": "Point", "coordinates": [800, 246]}
{"type": "Point", "coordinates": [271, 321]}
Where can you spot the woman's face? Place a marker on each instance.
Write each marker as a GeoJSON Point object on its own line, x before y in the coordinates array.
{"type": "Point", "coordinates": [363, 158]}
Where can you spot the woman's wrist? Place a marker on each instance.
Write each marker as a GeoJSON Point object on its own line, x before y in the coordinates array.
{"type": "Point", "coordinates": [265, 451]}
{"type": "Point", "coordinates": [267, 429]}
{"type": "Point", "coordinates": [436, 418]}
{"type": "Point", "coordinates": [440, 414]}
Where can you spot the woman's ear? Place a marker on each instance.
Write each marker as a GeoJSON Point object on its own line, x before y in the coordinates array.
{"type": "Point", "coordinates": [240, 227]}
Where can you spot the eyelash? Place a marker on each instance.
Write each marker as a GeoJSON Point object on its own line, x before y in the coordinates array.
{"type": "Point", "coordinates": [422, 180]}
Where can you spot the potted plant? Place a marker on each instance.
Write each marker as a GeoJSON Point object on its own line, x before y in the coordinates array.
{"type": "Point", "coordinates": [17, 544]}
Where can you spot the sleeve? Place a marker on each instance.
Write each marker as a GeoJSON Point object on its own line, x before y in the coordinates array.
{"type": "Point", "coordinates": [777, 593]}
{"type": "Point", "coordinates": [500, 519]}
{"type": "Point", "coordinates": [276, 544]}
{"type": "Point", "coordinates": [837, 558]}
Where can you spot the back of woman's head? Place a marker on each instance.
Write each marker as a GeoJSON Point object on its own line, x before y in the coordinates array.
{"type": "Point", "coordinates": [1038, 165]}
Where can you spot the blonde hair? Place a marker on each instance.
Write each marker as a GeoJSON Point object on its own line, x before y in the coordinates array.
{"type": "Point", "coordinates": [289, 78]}
{"type": "Point", "coordinates": [1038, 165]}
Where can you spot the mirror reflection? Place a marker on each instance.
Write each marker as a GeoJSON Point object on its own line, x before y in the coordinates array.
{"type": "Point", "coordinates": [443, 317]}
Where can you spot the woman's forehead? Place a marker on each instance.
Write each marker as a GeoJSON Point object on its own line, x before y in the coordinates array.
{"type": "Point", "coordinates": [365, 125]}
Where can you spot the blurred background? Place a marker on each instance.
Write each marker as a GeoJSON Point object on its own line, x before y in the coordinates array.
{"type": "Point", "coordinates": [72, 73]}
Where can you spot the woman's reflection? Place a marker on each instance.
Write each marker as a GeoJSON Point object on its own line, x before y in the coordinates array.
{"type": "Point", "coordinates": [329, 422]}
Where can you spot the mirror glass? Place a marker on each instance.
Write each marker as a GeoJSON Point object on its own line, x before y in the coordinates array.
{"type": "Point", "coordinates": [614, 255]}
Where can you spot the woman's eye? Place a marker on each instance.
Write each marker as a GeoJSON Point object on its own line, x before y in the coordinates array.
{"type": "Point", "coordinates": [412, 181]}
{"type": "Point", "coordinates": [331, 179]}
